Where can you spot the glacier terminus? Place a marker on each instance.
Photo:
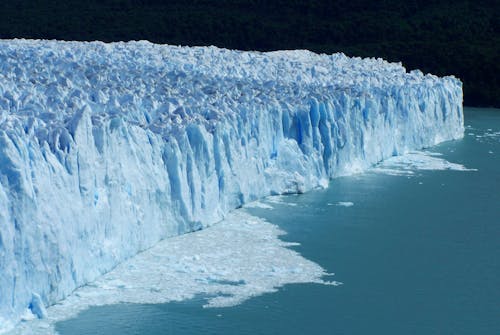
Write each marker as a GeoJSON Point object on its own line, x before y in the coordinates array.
{"type": "Point", "coordinates": [106, 149]}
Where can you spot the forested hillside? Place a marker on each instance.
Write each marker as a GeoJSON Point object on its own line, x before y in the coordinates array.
{"type": "Point", "coordinates": [459, 37]}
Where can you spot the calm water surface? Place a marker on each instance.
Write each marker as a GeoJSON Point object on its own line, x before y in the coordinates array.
{"type": "Point", "coordinates": [417, 255]}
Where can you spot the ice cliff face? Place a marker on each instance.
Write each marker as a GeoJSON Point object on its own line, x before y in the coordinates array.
{"type": "Point", "coordinates": [107, 148]}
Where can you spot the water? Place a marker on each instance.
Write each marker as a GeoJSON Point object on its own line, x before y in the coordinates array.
{"type": "Point", "coordinates": [417, 254]}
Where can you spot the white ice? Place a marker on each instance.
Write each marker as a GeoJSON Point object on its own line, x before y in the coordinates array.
{"type": "Point", "coordinates": [408, 164]}
{"type": "Point", "coordinates": [258, 204]}
{"type": "Point", "coordinates": [345, 203]}
{"type": "Point", "coordinates": [280, 200]}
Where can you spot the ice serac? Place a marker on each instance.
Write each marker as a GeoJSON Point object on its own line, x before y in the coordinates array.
{"type": "Point", "coordinates": [107, 148]}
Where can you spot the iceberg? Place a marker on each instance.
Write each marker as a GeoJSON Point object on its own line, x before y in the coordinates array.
{"type": "Point", "coordinates": [106, 149]}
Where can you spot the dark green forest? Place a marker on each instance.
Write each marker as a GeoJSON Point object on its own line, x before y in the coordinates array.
{"type": "Point", "coordinates": [459, 37]}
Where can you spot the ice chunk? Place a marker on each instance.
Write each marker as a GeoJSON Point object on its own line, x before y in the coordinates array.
{"type": "Point", "coordinates": [37, 306]}
{"type": "Point", "coordinates": [258, 204]}
{"type": "Point", "coordinates": [345, 203]}
{"type": "Point", "coordinates": [407, 164]}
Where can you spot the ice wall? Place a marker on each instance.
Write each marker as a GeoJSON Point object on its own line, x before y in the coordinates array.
{"type": "Point", "coordinates": [107, 148]}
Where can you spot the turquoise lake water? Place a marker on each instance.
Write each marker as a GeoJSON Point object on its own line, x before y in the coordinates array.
{"type": "Point", "coordinates": [417, 254]}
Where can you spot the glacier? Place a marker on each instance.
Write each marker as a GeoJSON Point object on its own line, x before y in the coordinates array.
{"type": "Point", "coordinates": [106, 149]}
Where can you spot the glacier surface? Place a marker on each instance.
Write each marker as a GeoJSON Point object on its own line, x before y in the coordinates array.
{"type": "Point", "coordinates": [105, 149]}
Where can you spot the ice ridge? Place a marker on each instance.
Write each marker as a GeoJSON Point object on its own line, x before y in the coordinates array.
{"type": "Point", "coordinates": [107, 148]}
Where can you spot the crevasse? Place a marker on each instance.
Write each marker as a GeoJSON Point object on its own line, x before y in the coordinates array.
{"type": "Point", "coordinates": [107, 148]}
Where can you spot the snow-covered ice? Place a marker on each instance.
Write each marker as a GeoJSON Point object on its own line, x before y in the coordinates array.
{"type": "Point", "coordinates": [105, 149]}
